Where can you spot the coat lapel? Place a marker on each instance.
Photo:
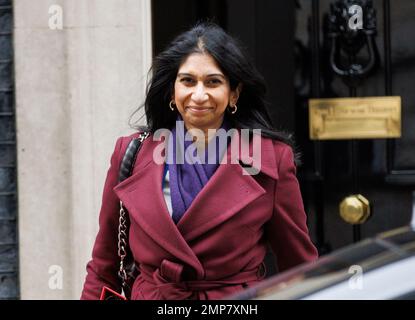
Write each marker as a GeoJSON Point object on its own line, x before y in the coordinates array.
{"type": "Point", "coordinates": [227, 192]}
{"type": "Point", "coordinates": [141, 194]}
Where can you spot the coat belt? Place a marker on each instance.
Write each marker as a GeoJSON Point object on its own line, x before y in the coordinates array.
{"type": "Point", "coordinates": [168, 280]}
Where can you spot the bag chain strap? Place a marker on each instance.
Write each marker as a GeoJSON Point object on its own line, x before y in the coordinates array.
{"type": "Point", "coordinates": [122, 244]}
{"type": "Point", "coordinates": [122, 233]}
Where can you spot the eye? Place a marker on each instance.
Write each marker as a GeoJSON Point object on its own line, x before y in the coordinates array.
{"type": "Point", "coordinates": [214, 81]}
{"type": "Point", "coordinates": [186, 80]}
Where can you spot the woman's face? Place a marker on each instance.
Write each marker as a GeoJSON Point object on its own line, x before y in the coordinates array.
{"type": "Point", "coordinates": [202, 92]}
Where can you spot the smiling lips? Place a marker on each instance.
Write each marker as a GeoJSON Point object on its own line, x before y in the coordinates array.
{"type": "Point", "coordinates": [199, 110]}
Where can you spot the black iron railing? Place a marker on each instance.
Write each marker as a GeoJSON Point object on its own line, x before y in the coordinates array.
{"type": "Point", "coordinates": [9, 284]}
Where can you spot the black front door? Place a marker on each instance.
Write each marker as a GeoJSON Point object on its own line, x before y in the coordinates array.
{"type": "Point", "coordinates": [381, 170]}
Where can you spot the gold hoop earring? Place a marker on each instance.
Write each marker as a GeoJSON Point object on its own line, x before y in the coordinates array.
{"type": "Point", "coordinates": [235, 107]}
{"type": "Point", "coordinates": [170, 105]}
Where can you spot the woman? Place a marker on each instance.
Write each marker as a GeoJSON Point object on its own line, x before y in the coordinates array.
{"type": "Point", "coordinates": [200, 230]}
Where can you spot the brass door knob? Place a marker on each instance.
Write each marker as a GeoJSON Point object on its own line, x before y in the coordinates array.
{"type": "Point", "coordinates": [355, 209]}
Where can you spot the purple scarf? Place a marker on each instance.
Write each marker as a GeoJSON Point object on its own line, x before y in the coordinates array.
{"type": "Point", "coordinates": [187, 179]}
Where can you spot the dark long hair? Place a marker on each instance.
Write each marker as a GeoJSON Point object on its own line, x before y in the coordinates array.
{"type": "Point", "coordinates": [207, 37]}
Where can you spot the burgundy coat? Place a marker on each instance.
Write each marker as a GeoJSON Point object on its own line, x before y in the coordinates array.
{"type": "Point", "coordinates": [218, 246]}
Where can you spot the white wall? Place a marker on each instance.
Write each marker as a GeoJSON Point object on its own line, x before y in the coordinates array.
{"type": "Point", "coordinates": [75, 89]}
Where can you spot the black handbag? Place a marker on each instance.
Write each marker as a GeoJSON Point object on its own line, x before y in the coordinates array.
{"type": "Point", "coordinates": [128, 271]}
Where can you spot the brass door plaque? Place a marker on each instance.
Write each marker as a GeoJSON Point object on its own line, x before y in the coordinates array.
{"type": "Point", "coordinates": [355, 118]}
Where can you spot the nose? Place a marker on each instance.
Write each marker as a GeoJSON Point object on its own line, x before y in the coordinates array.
{"type": "Point", "coordinates": [199, 94]}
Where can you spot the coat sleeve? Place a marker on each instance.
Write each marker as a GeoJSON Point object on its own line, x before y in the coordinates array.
{"type": "Point", "coordinates": [287, 230]}
{"type": "Point", "coordinates": [103, 267]}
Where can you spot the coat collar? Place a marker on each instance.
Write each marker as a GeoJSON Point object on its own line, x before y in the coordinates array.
{"type": "Point", "coordinates": [228, 191]}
